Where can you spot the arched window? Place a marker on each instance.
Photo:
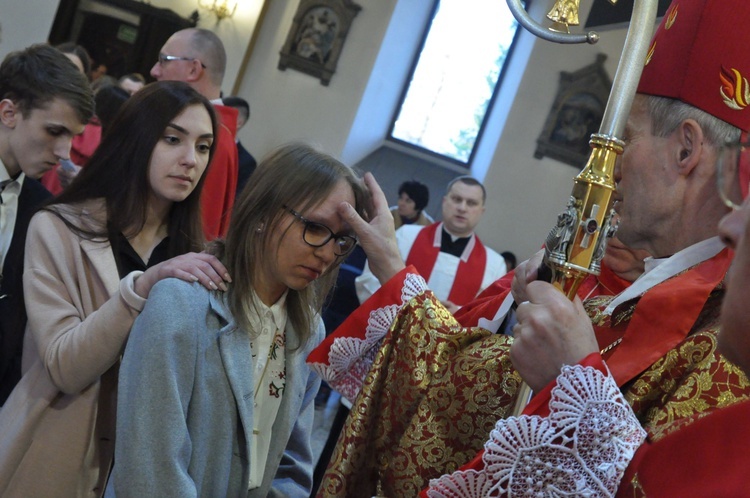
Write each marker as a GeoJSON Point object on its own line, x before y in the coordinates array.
{"type": "Point", "coordinates": [454, 78]}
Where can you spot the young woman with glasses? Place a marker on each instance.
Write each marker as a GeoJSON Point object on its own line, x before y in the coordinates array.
{"type": "Point", "coordinates": [215, 398]}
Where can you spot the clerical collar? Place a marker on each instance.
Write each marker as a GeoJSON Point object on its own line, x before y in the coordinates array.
{"type": "Point", "coordinates": [453, 245]}
{"type": "Point", "coordinates": [659, 270]}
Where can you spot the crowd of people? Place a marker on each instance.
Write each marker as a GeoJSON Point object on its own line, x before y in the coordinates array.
{"type": "Point", "coordinates": [169, 308]}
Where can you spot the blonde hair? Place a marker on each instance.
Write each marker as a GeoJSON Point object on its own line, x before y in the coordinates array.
{"type": "Point", "coordinates": [298, 176]}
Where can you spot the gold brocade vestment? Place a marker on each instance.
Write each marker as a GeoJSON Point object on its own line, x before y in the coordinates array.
{"type": "Point", "coordinates": [436, 389]}
{"type": "Point", "coordinates": [427, 406]}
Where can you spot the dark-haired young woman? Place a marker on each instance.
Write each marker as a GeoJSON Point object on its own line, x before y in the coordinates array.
{"type": "Point", "coordinates": [130, 219]}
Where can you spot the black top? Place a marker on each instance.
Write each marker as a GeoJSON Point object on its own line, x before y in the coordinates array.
{"type": "Point", "coordinates": [453, 247]}
{"type": "Point", "coordinates": [12, 305]}
{"type": "Point", "coordinates": [128, 260]}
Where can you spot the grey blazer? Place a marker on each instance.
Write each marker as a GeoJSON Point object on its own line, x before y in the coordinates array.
{"type": "Point", "coordinates": [185, 404]}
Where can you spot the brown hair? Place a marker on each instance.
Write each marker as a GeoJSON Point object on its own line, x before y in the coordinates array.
{"type": "Point", "coordinates": [35, 76]}
{"type": "Point", "coordinates": [118, 169]}
{"type": "Point", "coordinates": [298, 176]}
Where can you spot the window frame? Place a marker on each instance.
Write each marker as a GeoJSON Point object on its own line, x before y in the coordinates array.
{"type": "Point", "coordinates": [423, 151]}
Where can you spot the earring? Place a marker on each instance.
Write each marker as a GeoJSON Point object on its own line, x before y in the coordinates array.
{"type": "Point", "coordinates": [260, 228]}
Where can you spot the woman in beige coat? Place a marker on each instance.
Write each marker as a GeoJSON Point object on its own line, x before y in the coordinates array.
{"type": "Point", "coordinates": [129, 219]}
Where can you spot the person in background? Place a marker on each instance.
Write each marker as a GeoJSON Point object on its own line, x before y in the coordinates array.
{"type": "Point", "coordinates": [103, 82]}
{"type": "Point", "coordinates": [44, 102]}
{"type": "Point", "coordinates": [413, 197]}
{"type": "Point", "coordinates": [109, 100]}
{"type": "Point", "coordinates": [77, 54]}
{"type": "Point", "coordinates": [84, 143]}
{"type": "Point", "coordinates": [448, 254]}
{"type": "Point", "coordinates": [197, 57]}
{"type": "Point", "coordinates": [132, 82]}
{"type": "Point", "coordinates": [98, 71]}
{"type": "Point", "coordinates": [215, 397]}
{"type": "Point", "coordinates": [510, 260]}
{"type": "Point", "coordinates": [128, 220]}
{"type": "Point", "coordinates": [247, 162]}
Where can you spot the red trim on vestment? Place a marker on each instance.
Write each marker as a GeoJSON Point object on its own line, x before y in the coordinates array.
{"type": "Point", "coordinates": [707, 458]}
{"type": "Point", "coordinates": [386, 295]}
{"type": "Point", "coordinates": [470, 273]}
{"type": "Point", "coordinates": [664, 317]}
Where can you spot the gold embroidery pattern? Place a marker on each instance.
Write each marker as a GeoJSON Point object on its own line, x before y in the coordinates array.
{"type": "Point", "coordinates": [687, 383]}
{"type": "Point", "coordinates": [594, 307]}
{"type": "Point", "coordinates": [451, 392]}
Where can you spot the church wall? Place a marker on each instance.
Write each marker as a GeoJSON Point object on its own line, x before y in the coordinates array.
{"type": "Point", "coordinates": [524, 194]}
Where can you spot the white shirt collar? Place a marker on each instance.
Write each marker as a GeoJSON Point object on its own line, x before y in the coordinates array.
{"type": "Point", "coordinates": [3, 172]}
{"type": "Point", "coordinates": [659, 270]}
{"type": "Point", "coordinates": [8, 211]}
{"type": "Point", "coordinates": [275, 313]}
{"type": "Point", "coordinates": [4, 175]}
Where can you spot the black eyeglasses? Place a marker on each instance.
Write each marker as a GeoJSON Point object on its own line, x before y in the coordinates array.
{"type": "Point", "coordinates": [318, 235]}
{"type": "Point", "coordinates": [163, 59]}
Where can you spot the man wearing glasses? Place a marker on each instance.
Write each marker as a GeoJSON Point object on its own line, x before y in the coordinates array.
{"type": "Point", "coordinates": [197, 57]}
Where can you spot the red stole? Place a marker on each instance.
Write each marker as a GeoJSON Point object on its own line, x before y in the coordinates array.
{"type": "Point", "coordinates": [664, 316]}
{"type": "Point", "coordinates": [470, 273]}
{"type": "Point", "coordinates": [489, 301]}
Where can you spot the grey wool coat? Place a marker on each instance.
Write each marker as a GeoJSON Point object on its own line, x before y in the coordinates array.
{"type": "Point", "coordinates": [185, 404]}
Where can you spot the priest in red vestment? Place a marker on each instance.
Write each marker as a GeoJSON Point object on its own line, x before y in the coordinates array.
{"type": "Point", "coordinates": [448, 254]}
{"type": "Point", "coordinates": [425, 387]}
{"type": "Point", "coordinates": [706, 457]}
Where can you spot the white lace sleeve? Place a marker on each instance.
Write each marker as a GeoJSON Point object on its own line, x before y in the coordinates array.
{"type": "Point", "coordinates": [580, 450]}
{"type": "Point", "coordinates": [350, 358]}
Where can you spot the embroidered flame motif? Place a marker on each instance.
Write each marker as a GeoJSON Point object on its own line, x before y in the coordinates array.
{"type": "Point", "coordinates": [671, 16]}
{"type": "Point", "coordinates": [734, 90]}
{"type": "Point", "coordinates": [650, 53]}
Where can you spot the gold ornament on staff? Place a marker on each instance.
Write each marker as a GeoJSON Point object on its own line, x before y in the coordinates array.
{"type": "Point", "coordinates": [576, 244]}
{"type": "Point", "coordinates": [564, 13]}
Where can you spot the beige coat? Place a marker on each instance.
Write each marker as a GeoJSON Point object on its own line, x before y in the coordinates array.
{"type": "Point", "coordinates": [57, 427]}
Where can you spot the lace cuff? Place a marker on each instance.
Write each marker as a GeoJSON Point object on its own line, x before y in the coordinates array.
{"type": "Point", "coordinates": [582, 449]}
{"type": "Point", "coordinates": [350, 353]}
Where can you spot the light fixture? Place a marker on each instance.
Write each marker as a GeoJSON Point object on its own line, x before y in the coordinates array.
{"type": "Point", "coordinates": [221, 8]}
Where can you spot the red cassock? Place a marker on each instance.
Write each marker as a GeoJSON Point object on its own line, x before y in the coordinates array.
{"type": "Point", "coordinates": [220, 185]}
{"type": "Point", "coordinates": [708, 458]}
